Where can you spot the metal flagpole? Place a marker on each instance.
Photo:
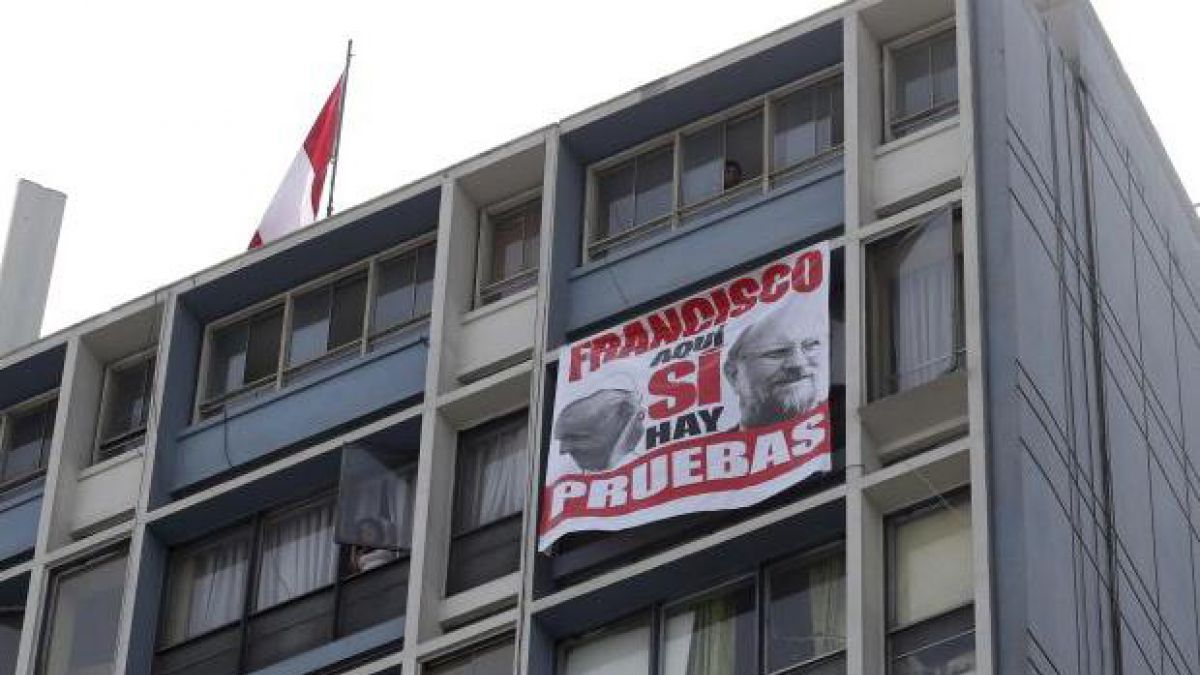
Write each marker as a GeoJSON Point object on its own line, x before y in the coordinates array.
{"type": "Point", "coordinates": [337, 142]}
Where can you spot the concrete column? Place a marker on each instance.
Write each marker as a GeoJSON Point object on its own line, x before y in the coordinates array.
{"type": "Point", "coordinates": [27, 263]}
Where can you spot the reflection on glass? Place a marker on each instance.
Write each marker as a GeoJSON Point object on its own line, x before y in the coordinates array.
{"type": "Point", "coordinates": [806, 611]}
{"type": "Point", "coordinates": [714, 636]}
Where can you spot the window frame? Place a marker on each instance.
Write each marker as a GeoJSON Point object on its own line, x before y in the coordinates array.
{"type": "Point", "coordinates": [877, 375]}
{"type": "Point", "coordinates": [101, 445]}
{"type": "Point", "coordinates": [593, 249]}
{"type": "Point", "coordinates": [915, 122]}
{"type": "Point", "coordinates": [655, 615]}
{"type": "Point", "coordinates": [207, 407]}
{"type": "Point", "coordinates": [6, 416]}
{"type": "Point", "coordinates": [955, 498]}
{"type": "Point", "coordinates": [485, 285]}
{"type": "Point", "coordinates": [65, 570]}
{"type": "Point", "coordinates": [499, 424]}
{"type": "Point", "coordinates": [253, 528]}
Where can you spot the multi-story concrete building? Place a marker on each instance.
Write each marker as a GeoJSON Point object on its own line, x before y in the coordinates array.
{"type": "Point", "coordinates": [192, 482]}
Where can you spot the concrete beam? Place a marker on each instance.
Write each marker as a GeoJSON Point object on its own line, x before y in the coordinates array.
{"type": "Point", "coordinates": [27, 263]}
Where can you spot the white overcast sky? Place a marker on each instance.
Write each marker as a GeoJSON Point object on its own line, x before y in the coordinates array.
{"type": "Point", "coordinates": [169, 125]}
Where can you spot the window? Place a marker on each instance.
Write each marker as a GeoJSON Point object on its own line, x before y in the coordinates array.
{"type": "Point", "coordinates": [326, 323]}
{"type": "Point", "coordinates": [931, 619]}
{"type": "Point", "coordinates": [703, 167]}
{"type": "Point", "coordinates": [620, 650]}
{"type": "Point", "coordinates": [923, 80]}
{"type": "Point", "coordinates": [509, 249]}
{"type": "Point", "coordinates": [489, 497]}
{"type": "Point", "coordinates": [25, 435]}
{"type": "Point", "coordinates": [125, 405]}
{"type": "Point", "coordinates": [808, 125]}
{"type": "Point", "coordinates": [83, 610]}
{"type": "Point", "coordinates": [495, 659]}
{"type": "Point", "coordinates": [276, 586]}
{"type": "Point", "coordinates": [800, 630]}
{"type": "Point", "coordinates": [915, 286]}
{"type": "Point", "coordinates": [11, 619]}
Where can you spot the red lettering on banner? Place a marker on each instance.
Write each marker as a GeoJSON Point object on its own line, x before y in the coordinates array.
{"type": "Point", "coordinates": [697, 315]}
{"type": "Point", "coordinates": [744, 294]}
{"type": "Point", "coordinates": [775, 283]}
{"type": "Point", "coordinates": [727, 462]}
{"type": "Point", "coordinates": [808, 273]}
{"type": "Point", "coordinates": [667, 381]}
{"type": "Point", "coordinates": [708, 382]}
{"type": "Point", "coordinates": [665, 327]}
{"type": "Point", "coordinates": [636, 340]}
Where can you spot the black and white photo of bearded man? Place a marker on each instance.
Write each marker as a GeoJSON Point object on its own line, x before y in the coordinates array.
{"type": "Point", "coordinates": [778, 367]}
{"type": "Point", "coordinates": [599, 430]}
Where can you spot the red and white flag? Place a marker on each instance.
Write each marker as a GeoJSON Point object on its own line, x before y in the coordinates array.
{"type": "Point", "coordinates": [299, 196]}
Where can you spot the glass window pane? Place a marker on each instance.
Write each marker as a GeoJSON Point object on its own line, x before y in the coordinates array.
{"type": "Point", "coordinates": [942, 645]}
{"type": "Point", "coordinates": [310, 326]}
{"type": "Point", "coordinates": [494, 660]}
{"type": "Point", "coordinates": [533, 231]}
{"type": "Point", "coordinates": [228, 359]}
{"type": "Point", "coordinates": [945, 71]}
{"type": "Point", "coordinates": [207, 587]}
{"type": "Point", "coordinates": [654, 173]}
{"type": "Point", "coordinates": [262, 353]}
{"type": "Point", "coordinates": [424, 291]}
{"type": "Point", "coordinates": [614, 201]}
{"type": "Point", "coordinates": [914, 286]}
{"type": "Point", "coordinates": [806, 611]}
{"type": "Point", "coordinates": [703, 165]}
{"type": "Point", "coordinates": [490, 472]}
{"type": "Point", "coordinates": [10, 639]}
{"type": "Point", "coordinates": [375, 498]}
{"type": "Point", "coordinates": [298, 554]}
{"type": "Point", "coordinates": [824, 119]}
{"type": "Point", "coordinates": [743, 150]}
{"type": "Point", "coordinates": [508, 245]}
{"type": "Point", "coordinates": [713, 636]}
{"type": "Point", "coordinates": [349, 303]}
{"type": "Point", "coordinates": [623, 651]}
{"type": "Point", "coordinates": [28, 440]}
{"type": "Point", "coordinates": [127, 398]}
{"type": "Point", "coordinates": [914, 89]}
{"type": "Point", "coordinates": [795, 129]}
{"type": "Point", "coordinates": [838, 114]}
{"type": "Point", "coordinates": [933, 563]}
{"type": "Point", "coordinates": [83, 625]}
{"type": "Point", "coordinates": [394, 296]}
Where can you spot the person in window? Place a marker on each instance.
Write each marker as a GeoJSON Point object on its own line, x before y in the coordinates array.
{"type": "Point", "coordinates": [775, 367]}
{"type": "Point", "coordinates": [366, 558]}
{"type": "Point", "coordinates": [733, 174]}
{"type": "Point", "coordinates": [599, 430]}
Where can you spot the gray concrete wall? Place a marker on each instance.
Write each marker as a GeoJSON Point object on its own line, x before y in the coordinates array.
{"type": "Point", "coordinates": [28, 261]}
{"type": "Point", "coordinates": [1092, 339]}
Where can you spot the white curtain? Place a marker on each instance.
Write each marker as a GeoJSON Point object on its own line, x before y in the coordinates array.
{"type": "Point", "coordinates": [208, 588]}
{"type": "Point", "coordinates": [923, 304]}
{"type": "Point", "coordinates": [375, 499]}
{"type": "Point", "coordinates": [827, 605]}
{"type": "Point", "coordinates": [492, 475]}
{"type": "Point", "coordinates": [298, 555]}
{"type": "Point", "coordinates": [625, 651]}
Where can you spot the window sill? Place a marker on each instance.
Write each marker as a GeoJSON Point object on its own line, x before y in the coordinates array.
{"type": "Point", "coordinates": [816, 174]}
{"type": "Point", "coordinates": [16, 494]}
{"type": "Point", "coordinates": [113, 462]}
{"type": "Point", "coordinates": [480, 601]}
{"type": "Point", "coordinates": [917, 418]}
{"type": "Point", "coordinates": [315, 378]}
{"type": "Point", "coordinates": [917, 136]}
{"type": "Point", "coordinates": [499, 305]}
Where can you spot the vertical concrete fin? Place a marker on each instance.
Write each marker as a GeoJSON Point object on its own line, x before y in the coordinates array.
{"type": "Point", "coordinates": [28, 262]}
